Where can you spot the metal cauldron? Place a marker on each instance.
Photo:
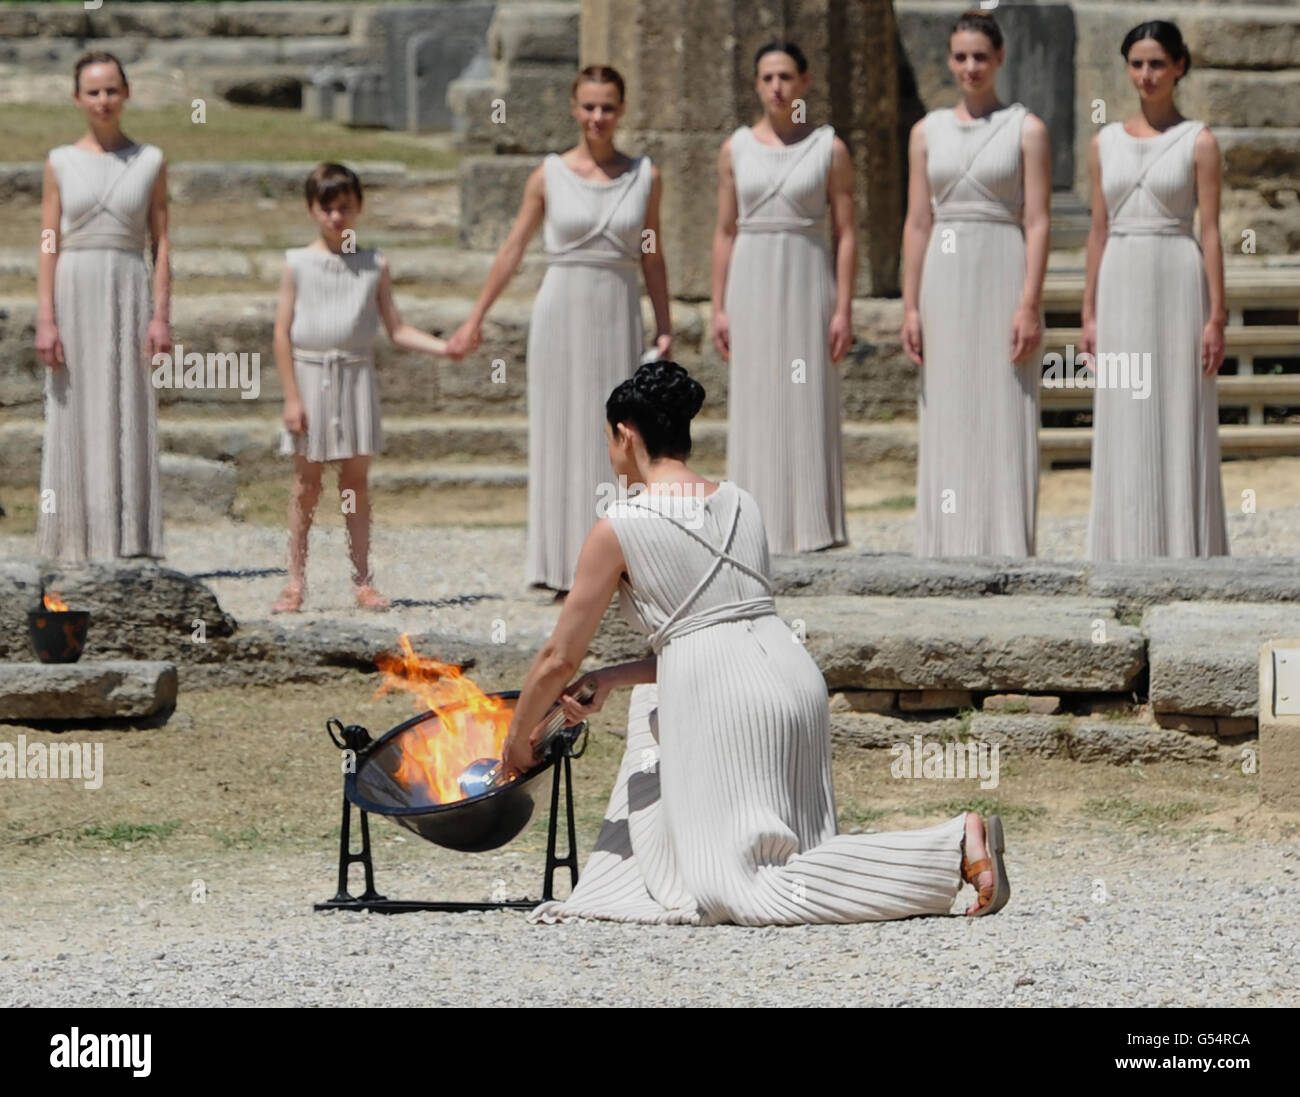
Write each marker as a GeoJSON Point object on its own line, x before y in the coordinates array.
{"type": "Point", "coordinates": [472, 825]}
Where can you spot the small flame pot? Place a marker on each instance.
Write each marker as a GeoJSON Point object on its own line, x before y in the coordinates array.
{"type": "Point", "coordinates": [473, 825]}
{"type": "Point", "coordinates": [57, 636]}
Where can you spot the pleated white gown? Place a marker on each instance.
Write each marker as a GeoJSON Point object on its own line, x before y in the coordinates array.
{"type": "Point", "coordinates": [783, 396]}
{"type": "Point", "coordinates": [100, 488]}
{"type": "Point", "coordinates": [585, 337]}
{"type": "Point", "coordinates": [1156, 484]}
{"type": "Point", "coordinates": [724, 810]}
{"type": "Point", "coordinates": [977, 466]}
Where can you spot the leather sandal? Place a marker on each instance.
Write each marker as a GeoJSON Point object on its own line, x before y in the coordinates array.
{"type": "Point", "coordinates": [992, 897]}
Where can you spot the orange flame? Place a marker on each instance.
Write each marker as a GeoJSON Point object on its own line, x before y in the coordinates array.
{"type": "Point", "coordinates": [469, 725]}
{"type": "Point", "coordinates": [55, 604]}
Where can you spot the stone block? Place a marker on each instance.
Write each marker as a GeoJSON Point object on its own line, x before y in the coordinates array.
{"type": "Point", "coordinates": [864, 700]}
{"type": "Point", "coordinates": [86, 690]}
{"type": "Point", "coordinates": [1038, 704]}
{"type": "Point", "coordinates": [491, 190]}
{"type": "Point", "coordinates": [1204, 656]}
{"type": "Point", "coordinates": [1279, 724]}
{"type": "Point", "coordinates": [195, 488]}
{"type": "Point", "coordinates": [933, 700]}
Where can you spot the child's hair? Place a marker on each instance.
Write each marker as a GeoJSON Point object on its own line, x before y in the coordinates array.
{"type": "Point", "coordinates": [328, 181]}
{"type": "Point", "coordinates": [96, 57]}
{"type": "Point", "coordinates": [789, 48]}
{"type": "Point", "coordinates": [598, 74]}
{"type": "Point", "coordinates": [981, 22]}
{"type": "Point", "coordinates": [660, 400]}
{"type": "Point", "coordinates": [1167, 34]}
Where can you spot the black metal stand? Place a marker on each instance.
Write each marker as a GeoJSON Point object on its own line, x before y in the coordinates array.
{"type": "Point", "coordinates": [371, 900]}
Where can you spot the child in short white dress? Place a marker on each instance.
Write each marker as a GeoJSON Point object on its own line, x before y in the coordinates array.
{"type": "Point", "coordinates": [332, 296]}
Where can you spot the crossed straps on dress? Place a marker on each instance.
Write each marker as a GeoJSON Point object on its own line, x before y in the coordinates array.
{"type": "Point", "coordinates": [67, 239]}
{"type": "Point", "coordinates": [575, 252]}
{"type": "Point", "coordinates": [992, 208]}
{"type": "Point", "coordinates": [747, 222]}
{"type": "Point", "coordinates": [1168, 225]}
{"type": "Point", "coordinates": [676, 625]}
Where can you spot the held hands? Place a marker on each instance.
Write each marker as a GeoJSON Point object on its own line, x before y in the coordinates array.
{"type": "Point", "coordinates": [467, 338]}
{"type": "Point", "coordinates": [911, 336]}
{"type": "Point", "coordinates": [49, 347]}
{"type": "Point", "coordinates": [1026, 333]}
{"type": "Point", "coordinates": [1212, 345]}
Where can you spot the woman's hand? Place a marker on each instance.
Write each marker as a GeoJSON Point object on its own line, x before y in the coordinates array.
{"type": "Point", "coordinates": [158, 340]}
{"type": "Point", "coordinates": [467, 338]}
{"type": "Point", "coordinates": [841, 335]}
{"type": "Point", "coordinates": [664, 344]}
{"type": "Point", "coordinates": [1212, 344]}
{"type": "Point", "coordinates": [1088, 337]}
{"type": "Point", "coordinates": [721, 329]}
{"type": "Point", "coordinates": [911, 336]}
{"type": "Point", "coordinates": [518, 756]}
{"type": "Point", "coordinates": [576, 711]}
{"type": "Point", "coordinates": [295, 418]}
{"type": "Point", "coordinates": [1026, 333]}
{"type": "Point", "coordinates": [49, 347]}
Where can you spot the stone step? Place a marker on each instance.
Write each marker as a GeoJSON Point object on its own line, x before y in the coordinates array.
{"type": "Point", "coordinates": [1046, 645]}
{"type": "Point", "coordinates": [397, 477]}
{"type": "Point", "coordinates": [86, 690]}
{"type": "Point", "coordinates": [1204, 655]}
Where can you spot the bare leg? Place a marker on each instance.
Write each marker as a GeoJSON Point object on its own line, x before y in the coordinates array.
{"type": "Point", "coordinates": [354, 497]}
{"type": "Point", "coordinates": [303, 497]}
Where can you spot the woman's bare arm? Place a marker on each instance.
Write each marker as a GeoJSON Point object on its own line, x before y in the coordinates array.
{"type": "Point", "coordinates": [916, 238]}
{"type": "Point", "coordinates": [1209, 183]}
{"type": "Point", "coordinates": [159, 338]}
{"type": "Point", "coordinates": [1097, 235]}
{"type": "Point", "coordinates": [724, 241]}
{"type": "Point", "coordinates": [654, 267]}
{"type": "Point", "coordinates": [600, 563]}
{"type": "Point", "coordinates": [49, 348]}
{"type": "Point", "coordinates": [1036, 150]}
{"type": "Point", "coordinates": [839, 186]}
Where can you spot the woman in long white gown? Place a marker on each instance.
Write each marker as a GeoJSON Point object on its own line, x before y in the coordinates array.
{"type": "Point", "coordinates": [974, 255]}
{"type": "Point", "coordinates": [724, 809]}
{"type": "Point", "coordinates": [1153, 295]}
{"type": "Point", "coordinates": [599, 211]}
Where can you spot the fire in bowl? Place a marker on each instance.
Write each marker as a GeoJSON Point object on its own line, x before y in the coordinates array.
{"type": "Point", "coordinates": [412, 774]}
{"type": "Point", "coordinates": [57, 634]}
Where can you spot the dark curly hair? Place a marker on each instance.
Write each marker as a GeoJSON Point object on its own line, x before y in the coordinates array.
{"type": "Point", "coordinates": [1164, 33]}
{"type": "Point", "coordinates": [660, 400]}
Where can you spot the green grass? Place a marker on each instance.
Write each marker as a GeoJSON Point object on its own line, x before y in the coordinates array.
{"type": "Point", "coordinates": [983, 805]}
{"type": "Point", "coordinates": [248, 837]}
{"type": "Point", "coordinates": [850, 817]}
{"type": "Point", "coordinates": [122, 835]}
{"type": "Point", "coordinates": [1133, 813]}
{"type": "Point", "coordinates": [230, 133]}
{"type": "Point", "coordinates": [895, 502]}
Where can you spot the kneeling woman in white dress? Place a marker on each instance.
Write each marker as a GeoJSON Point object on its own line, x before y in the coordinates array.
{"type": "Point", "coordinates": [724, 809]}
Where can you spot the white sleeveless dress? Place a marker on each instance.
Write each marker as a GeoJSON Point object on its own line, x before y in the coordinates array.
{"type": "Point", "coordinates": [1156, 484]}
{"type": "Point", "coordinates": [783, 396]}
{"type": "Point", "coordinates": [724, 809]}
{"type": "Point", "coordinates": [977, 466]}
{"type": "Point", "coordinates": [100, 489]}
{"type": "Point", "coordinates": [335, 321]}
{"type": "Point", "coordinates": [585, 337]}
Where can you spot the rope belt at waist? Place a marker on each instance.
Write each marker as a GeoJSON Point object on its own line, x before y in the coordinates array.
{"type": "Point", "coordinates": [332, 362]}
{"type": "Point", "coordinates": [90, 241]}
{"type": "Point", "coordinates": [591, 259]}
{"type": "Point", "coordinates": [1150, 226]}
{"type": "Point", "coordinates": [977, 211]}
{"type": "Point", "coordinates": [808, 226]}
{"type": "Point", "coordinates": [728, 611]}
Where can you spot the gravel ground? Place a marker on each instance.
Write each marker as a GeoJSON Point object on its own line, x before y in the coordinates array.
{"type": "Point", "coordinates": [1099, 920]}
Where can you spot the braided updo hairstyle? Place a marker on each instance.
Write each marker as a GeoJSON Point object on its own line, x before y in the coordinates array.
{"type": "Point", "coordinates": [660, 400]}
